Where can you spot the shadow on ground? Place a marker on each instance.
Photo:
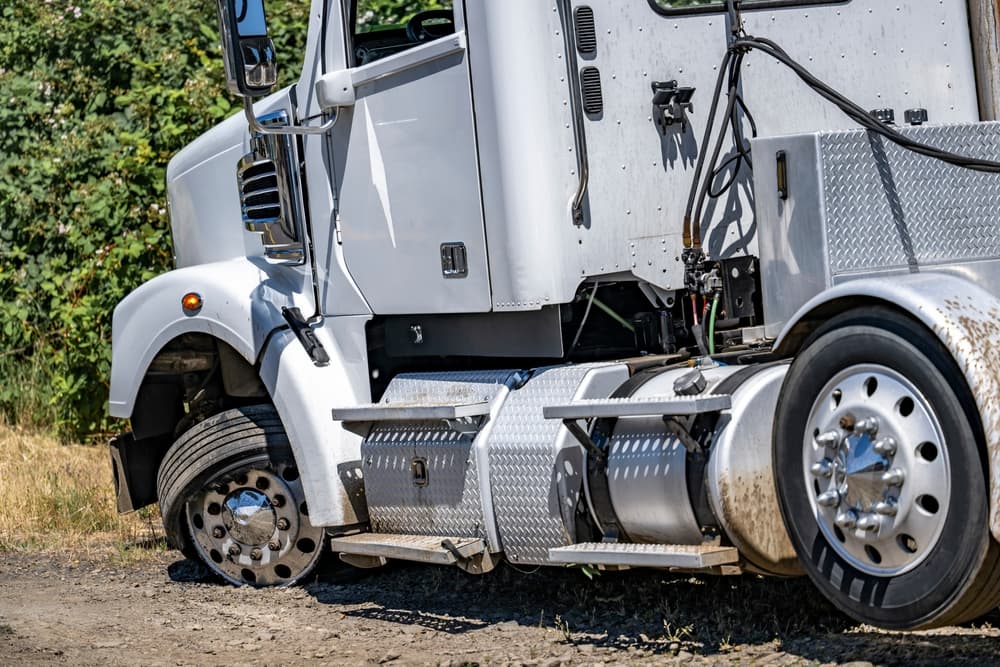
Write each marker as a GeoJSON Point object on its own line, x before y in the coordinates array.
{"type": "Point", "coordinates": [652, 611]}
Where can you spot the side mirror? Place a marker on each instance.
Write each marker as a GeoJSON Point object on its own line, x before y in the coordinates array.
{"type": "Point", "coordinates": [251, 66]}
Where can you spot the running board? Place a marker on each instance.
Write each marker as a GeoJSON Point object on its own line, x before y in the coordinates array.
{"type": "Point", "coordinates": [419, 548]}
{"type": "Point", "coordinates": [653, 406]}
{"type": "Point", "coordinates": [685, 556]}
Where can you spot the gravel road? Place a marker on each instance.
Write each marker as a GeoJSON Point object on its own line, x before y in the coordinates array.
{"type": "Point", "coordinates": [163, 610]}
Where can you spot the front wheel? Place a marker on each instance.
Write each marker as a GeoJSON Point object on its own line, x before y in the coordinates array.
{"type": "Point", "coordinates": [230, 494]}
{"type": "Point", "coordinates": [880, 475]}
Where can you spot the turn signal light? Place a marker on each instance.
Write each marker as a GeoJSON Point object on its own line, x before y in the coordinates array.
{"type": "Point", "coordinates": [191, 302]}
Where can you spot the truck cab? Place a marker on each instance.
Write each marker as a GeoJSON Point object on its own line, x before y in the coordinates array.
{"type": "Point", "coordinates": [702, 286]}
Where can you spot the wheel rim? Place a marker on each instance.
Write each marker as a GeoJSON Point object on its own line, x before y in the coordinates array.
{"type": "Point", "coordinates": [877, 468]}
{"type": "Point", "coordinates": [252, 526]}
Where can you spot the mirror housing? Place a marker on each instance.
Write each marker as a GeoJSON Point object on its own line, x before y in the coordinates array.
{"type": "Point", "coordinates": [335, 89]}
{"type": "Point", "coordinates": [251, 64]}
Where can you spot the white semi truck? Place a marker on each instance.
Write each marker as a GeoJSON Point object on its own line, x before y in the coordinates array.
{"type": "Point", "coordinates": [703, 286]}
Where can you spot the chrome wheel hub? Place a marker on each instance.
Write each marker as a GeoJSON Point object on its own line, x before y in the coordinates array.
{"type": "Point", "coordinates": [252, 526]}
{"type": "Point", "coordinates": [877, 469]}
{"type": "Point", "coordinates": [249, 517]}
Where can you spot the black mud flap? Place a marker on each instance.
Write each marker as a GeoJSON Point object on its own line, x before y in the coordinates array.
{"type": "Point", "coordinates": [134, 464]}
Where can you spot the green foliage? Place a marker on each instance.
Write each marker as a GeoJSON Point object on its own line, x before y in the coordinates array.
{"type": "Point", "coordinates": [373, 14]}
{"type": "Point", "coordinates": [96, 96]}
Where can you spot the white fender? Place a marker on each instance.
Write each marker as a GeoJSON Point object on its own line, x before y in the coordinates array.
{"type": "Point", "coordinates": [328, 456]}
{"type": "Point", "coordinates": [966, 319]}
{"type": "Point", "coordinates": [242, 299]}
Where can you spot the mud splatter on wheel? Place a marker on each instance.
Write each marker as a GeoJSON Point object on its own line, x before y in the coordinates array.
{"type": "Point", "coordinates": [230, 494]}
{"type": "Point", "coordinates": [881, 475]}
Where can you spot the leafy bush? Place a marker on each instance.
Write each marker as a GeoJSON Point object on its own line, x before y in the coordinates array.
{"type": "Point", "coordinates": [375, 13]}
{"type": "Point", "coordinates": [96, 96]}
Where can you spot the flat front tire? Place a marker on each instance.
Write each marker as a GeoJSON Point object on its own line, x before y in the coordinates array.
{"type": "Point", "coordinates": [881, 477]}
{"type": "Point", "coordinates": [231, 495]}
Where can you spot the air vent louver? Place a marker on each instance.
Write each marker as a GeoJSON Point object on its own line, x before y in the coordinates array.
{"type": "Point", "coordinates": [270, 191]}
{"type": "Point", "coordinates": [593, 97]}
{"type": "Point", "coordinates": [586, 31]}
{"type": "Point", "coordinates": [259, 193]}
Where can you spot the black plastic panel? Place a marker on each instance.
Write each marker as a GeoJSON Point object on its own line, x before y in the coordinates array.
{"type": "Point", "coordinates": [586, 31]}
{"type": "Point", "coordinates": [593, 96]}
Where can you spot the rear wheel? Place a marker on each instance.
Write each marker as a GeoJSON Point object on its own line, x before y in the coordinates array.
{"type": "Point", "coordinates": [880, 475]}
{"type": "Point", "coordinates": [231, 495]}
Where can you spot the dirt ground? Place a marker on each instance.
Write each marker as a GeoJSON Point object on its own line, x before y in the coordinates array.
{"type": "Point", "coordinates": [163, 610]}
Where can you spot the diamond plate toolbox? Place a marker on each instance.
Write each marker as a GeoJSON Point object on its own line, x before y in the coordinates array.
{"type": "Point", "coordinates": [855, 205]}
{"type": "Point", "coordinates": [447, 500]}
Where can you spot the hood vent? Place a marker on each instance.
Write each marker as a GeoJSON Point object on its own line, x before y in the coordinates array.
{"type": "Point", "coordinates": [259, 192]}
{"type": "Point", "coordinates": [269, 179]}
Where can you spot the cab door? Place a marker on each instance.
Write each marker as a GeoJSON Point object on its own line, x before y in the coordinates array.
{"type": "Point", "coordinates": [410, 216]}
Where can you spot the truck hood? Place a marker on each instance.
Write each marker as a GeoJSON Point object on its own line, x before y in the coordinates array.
{"type": "Point", "coordinates": [204, 202]}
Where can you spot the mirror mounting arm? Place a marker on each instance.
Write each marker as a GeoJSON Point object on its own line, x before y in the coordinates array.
{"type": "Point", "coordinates": [257, 128]}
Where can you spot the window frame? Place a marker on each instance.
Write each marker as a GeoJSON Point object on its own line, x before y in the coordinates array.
{"type": "Point", "coordinates": [350, 15]}
{"type": "Point", "coordinates": [756, 6]}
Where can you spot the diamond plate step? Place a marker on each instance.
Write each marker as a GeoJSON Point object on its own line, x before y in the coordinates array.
{"type": "Point", "coordinates": [421, 548]}
{"type": "Point", "coordinates": [687, 556]}
{"type": "Point", "coordinates": [405, 412]}
{"type": "Point", "coordinates": [652, 406]}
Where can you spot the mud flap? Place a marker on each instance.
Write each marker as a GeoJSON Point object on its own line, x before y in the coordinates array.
{"type": "Point", "coordinates": [134, 464]}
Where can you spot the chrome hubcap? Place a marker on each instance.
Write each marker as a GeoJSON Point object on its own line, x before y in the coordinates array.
{"type": "Point", "coordinates": [877, 466]}
{"type": "Point", "coordinates": [252, 527]}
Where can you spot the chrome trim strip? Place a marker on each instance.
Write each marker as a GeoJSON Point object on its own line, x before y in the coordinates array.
{"type": "Point", "coordinates": [576, 104]}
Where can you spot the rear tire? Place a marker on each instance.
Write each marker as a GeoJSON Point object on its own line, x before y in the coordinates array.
{"type": "Point", "coordinates": [230, 495]}
{"type": "Point", "coordinates": [881, 475]}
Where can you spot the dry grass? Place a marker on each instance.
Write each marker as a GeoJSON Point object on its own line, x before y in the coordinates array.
{"type": "Point", "coordinates": [55, 495]}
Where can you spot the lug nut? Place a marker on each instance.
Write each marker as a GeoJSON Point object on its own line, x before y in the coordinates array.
{"type": "Point", "coordinates": [869, 426]}
{"type": "Point", "coordinates": [868, 523]}
{"type": "Point", "coordinates": [256, 553]}
{"type": "Point", "coordinates": [828, 499]}
{"type": "Point", "coordinates": [278, 501]}
{"type": "Point", "coordinates": [894, 477]}
{"type": "Point", "coordinates": [847, 520]}
{"type": "Point", "coordinates": [218, 532]}
{"type": "Point", "coordinates": [886, 507]}
{"type": "Point", "coordinates": [274, 545]}
{"type": "Point", "coordinates": [828, 439]}
{"type": "Point", "coordinates": [234, 550]}
{"type": "Point", "coordinates": [886, 446]}
{"type": "Point", "coordinates": [822, 468]}
{"type": "Point", "coordinates": [283, 523]}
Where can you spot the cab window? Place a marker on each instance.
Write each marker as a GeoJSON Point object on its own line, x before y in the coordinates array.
{"type": "Point", "coordinates": [385, 27]}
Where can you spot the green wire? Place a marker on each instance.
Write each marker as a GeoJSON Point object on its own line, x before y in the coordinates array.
{"type": "Point", "coordinates": [613, 315]}
{"type": "Point", "coordinates": [711, 325]}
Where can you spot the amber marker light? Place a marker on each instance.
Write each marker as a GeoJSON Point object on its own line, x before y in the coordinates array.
{"type": "Point", "coordinates": [191, 303]}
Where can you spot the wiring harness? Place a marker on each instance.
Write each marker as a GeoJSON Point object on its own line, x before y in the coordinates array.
{"type": "Point", "coordinates": [729, 75]}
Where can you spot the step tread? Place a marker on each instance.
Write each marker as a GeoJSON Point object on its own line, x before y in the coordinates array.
{"type": "Point", "coordinates": [373, 412]}
{"type": "Point", "coordinates": [423, 548]}
{"type": "Point", "coordinates": [694, 556]}
{"type": "Point", "coordinates": [638, 407]}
